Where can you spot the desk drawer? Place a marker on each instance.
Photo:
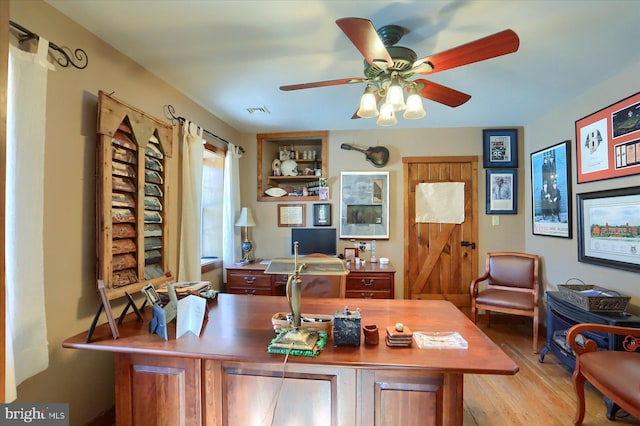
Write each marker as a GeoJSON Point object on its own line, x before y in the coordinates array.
{"type": "Point", "coordinates": [368, 294]}
{"type": "Point", "coordinates": [368, 283]}
{"type": "Point", "coordinates": [251, 291]}
{"type": "Point", "coordinates": [248, 279]}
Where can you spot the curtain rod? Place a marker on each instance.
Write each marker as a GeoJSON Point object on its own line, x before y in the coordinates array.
{"type": "Point", "coordinates": [170, 113]}
{"type": "Point", "coordinates": [79, 54]}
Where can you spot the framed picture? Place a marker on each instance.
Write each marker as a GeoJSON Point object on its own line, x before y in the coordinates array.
{"type": "Point", "coordinates": [350, 253]}
{"type": "Point", "coordinates": [608, 228]}
{"type": "Point", "coordinates": [290, 215]}
{"type": "Point", "coordinates": [500, 148]}
{"type": "Point", "coordinates": [551, 190]}
{"type": "Point", "coordinates": [322, 214]}
{"type": "Point", "coordinates": [608, 141]}
{"type": "Point", "coordinates": [364, 205]}
{"type": "Point", "coordinates": [502, 191]}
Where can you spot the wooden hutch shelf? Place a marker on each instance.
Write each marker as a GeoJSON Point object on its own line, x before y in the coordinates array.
{"type": "Point", "coordinates": [269, 147]}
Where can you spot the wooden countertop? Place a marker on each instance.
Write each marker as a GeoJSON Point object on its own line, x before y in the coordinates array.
{"type": "Point", "coordinates": [367, 267]}
{"type": "Point", "coordinates": [239, 329]}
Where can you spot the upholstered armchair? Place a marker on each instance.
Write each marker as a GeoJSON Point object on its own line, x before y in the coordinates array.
{"type": "Point", "coordinates": [511, 287]}
{"type": "Point", "coordinates": [616, 374]}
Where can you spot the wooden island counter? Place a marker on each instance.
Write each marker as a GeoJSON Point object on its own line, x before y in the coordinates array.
{"type": "Point", "coordinates": [227, 377]}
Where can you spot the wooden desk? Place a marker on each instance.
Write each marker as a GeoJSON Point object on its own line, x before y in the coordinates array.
{"type": "Point", "coordinates": [368, 281]}
{"type": "Point", "coordinates": [226, 376]}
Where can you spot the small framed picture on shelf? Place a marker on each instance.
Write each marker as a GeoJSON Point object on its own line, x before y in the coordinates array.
{"type": "Point", "coordinates": [350, 253]}
{"type": "Point", "coordinates": [322, 214]}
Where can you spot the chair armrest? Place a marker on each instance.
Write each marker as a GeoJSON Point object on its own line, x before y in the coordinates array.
{"type": "Point", "coordinates": [474, 284]}
{"type": "Point", "coordinates": [590, 345]}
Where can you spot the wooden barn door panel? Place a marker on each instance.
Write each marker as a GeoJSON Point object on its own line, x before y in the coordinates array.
{"type": "Point", "coordinates": [437, 264]}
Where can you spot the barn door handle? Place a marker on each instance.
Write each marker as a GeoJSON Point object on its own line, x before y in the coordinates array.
{"type": "Point", "coordinates": [468, 244]}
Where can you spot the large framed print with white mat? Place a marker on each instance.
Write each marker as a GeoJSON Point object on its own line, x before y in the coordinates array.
{"type": "Point", "coordinates": [608, 223]}
{"type": "Point", "coordinates": [551, 190]}
{"type": "Point", "coordinates": [364, 205]}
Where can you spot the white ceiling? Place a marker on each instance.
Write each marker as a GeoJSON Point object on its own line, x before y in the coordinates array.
{"type": "Point", "coordinates": [232, 55]}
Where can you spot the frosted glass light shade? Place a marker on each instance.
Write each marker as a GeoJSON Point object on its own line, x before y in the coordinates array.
{"type": "Point", "coordinates": [387, 116]}
{"type": "Point", "coordinates": [414, 107]}
{"type": "Point", "coordinates": [395, 97]}
{"type": "Point", "coordinates": [368, 107]}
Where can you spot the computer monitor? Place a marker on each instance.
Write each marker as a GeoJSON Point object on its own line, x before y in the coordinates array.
{"type": "Point", "coordinates": [314, 240]}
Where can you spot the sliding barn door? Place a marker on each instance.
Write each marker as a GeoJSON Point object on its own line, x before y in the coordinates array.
{"type": "Point", "coordinates": [440, 259]}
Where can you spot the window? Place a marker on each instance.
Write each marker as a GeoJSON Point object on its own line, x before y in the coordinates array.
{"type": "Point", "coordinates": [212, 201]}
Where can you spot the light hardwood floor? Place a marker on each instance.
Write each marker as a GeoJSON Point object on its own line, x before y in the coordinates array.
{"type": "Point", "coordinates": [539, 394]}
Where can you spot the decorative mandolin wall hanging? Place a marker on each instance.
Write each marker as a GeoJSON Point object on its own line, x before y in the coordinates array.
{"type": "Point", "coordinates": [376, 155]}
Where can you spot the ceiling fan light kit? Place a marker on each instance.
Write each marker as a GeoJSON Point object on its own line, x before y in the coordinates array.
{"type": "Point", "coordinates": [388, 68]}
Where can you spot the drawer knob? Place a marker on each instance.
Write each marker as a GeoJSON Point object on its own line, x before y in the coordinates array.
{"type": "Point", "coordinates": [249, 292]}
{"type": "Point", "coordinates": [367, 283]}
{"type": "Point", "coordinates": [366, 296]}
{"type": "Point", "coordinates": [249, 280]}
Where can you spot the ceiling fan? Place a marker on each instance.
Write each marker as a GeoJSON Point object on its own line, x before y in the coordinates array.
{"type": "Point", "coordinates": [388, 68]}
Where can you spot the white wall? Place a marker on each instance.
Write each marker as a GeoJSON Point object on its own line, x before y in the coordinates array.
{"type": "Point", "coordinates": [560, 256]}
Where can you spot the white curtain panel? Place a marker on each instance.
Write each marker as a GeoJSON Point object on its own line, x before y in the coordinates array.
{"type": "Point", "coordinates": [230, 234]}
{"type": "Point", "coordinates": [27, 351]}
{"type": "Point", "coordinates": [190, 236]}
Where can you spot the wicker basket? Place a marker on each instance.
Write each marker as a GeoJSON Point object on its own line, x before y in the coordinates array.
{"type": "Point", "coordinates": [593, 298]}
{"type": "Point", "coordinates": [310, 322]}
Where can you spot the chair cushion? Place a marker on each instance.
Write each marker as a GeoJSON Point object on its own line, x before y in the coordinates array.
{"type": "Point", "coordinates": [513, 271]}
{"type": "Point", "coordinates": [505, 299]}
{"type": "Point", "coordinates": [616, 370]}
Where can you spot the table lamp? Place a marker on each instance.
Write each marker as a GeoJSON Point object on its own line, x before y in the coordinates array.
{"type": "Point", "coordinates": [298, 338]}
{"type": "Point", "coordinates": [246, 220]}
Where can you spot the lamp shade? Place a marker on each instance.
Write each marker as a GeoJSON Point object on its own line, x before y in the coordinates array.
{"type": "Point", "coordinates": [414, 107]}
{"type": "Point", "coordinates": [387, 116]}
{"type": "Point", "coordinates": [246, 218]}
{"type": "Point", "coordinates": [368, 107]}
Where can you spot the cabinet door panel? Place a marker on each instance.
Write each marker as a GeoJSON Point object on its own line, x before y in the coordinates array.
{"type": "Point", "coordinates": [157, 391]}
{"type": "Point", "coordinates": [307, 395]}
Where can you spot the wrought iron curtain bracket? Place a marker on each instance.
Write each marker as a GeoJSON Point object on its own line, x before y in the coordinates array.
{"type": "Point", "coordinates": [80, 59]}
{"type": "Point", "coordinates": [170, 113]}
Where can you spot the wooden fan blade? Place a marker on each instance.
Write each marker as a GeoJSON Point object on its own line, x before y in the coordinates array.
{"type": "Point", "coordinates": [323, 83]}
{"type": "Point", "coordinates": [365, 38]}
{"type": "Point", "coordinates": [442, 94]}
{"type": "Point", "coordinates": [498, 44]}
